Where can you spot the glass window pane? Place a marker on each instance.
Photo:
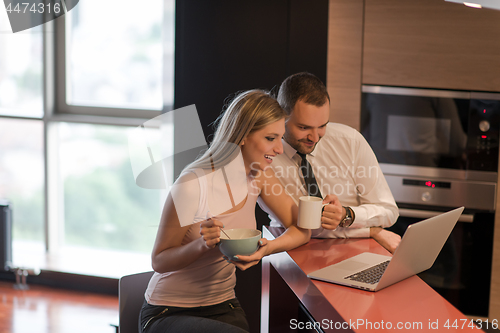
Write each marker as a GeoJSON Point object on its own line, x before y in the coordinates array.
{"type": "Point", "coordinates": [114, 55]}
{"type": "Point", "coordinates": [103, 207]}
{"type": "Point", "coordinates": [22, 184]}
{"type": "Point", "coordinates": [21, 71]}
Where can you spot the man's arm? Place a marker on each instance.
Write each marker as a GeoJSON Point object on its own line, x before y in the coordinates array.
{"type": "Point", "coordinates": [369, 197]}
{"type": "Point", "coordinates": [388, 239]}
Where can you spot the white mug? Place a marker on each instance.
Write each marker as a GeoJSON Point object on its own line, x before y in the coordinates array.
{"type": "Point", "coordinates": [310, 211]}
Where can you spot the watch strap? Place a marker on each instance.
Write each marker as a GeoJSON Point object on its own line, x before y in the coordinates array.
{"type": "Point", "coordinates": [348, 219]}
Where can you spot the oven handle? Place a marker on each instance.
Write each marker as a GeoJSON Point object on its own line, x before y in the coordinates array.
{"type": "Point", "coordinates": [425, 214]}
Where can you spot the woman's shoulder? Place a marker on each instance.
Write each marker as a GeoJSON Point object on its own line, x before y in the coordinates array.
{"type": "Point", "coordinates": [188, 175]}
{"type": "Point", "coordinates": [188, 182]}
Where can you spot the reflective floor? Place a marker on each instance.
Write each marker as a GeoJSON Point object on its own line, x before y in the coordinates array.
{"type": "Point", "coordinates": [42, 310]}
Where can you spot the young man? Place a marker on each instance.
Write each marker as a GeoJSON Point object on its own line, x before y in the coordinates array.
{"type": "Point", "coordinates": [339, 162]}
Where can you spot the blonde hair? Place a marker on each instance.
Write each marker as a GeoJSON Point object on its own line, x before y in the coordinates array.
{"type": "Point", "coordinates": [248, 112]}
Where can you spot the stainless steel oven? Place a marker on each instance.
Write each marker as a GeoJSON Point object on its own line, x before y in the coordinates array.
{"type": "Point", "coordinates": [439, 150]}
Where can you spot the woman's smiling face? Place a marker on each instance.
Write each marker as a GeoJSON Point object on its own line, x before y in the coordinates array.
{"type": "Point", "coordinates": [260, 147]}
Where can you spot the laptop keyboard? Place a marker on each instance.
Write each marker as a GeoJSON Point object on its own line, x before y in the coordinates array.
{"type": "Point", "coordinates": [370, 275]}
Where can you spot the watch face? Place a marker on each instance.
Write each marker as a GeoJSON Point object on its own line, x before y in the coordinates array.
{"type": "Point", "coordinates": [347, 221]}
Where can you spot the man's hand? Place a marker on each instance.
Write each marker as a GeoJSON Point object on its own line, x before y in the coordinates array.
{"type": "Point", "coordinates": [333, 213]}
{"type": "Point", "coordinates": [388, 239]}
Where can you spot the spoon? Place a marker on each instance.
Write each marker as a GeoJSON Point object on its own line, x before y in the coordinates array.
{"type": "Point", "coordinates": [209, 217]}
{"type": "Point", "coordinates": [225, 233]}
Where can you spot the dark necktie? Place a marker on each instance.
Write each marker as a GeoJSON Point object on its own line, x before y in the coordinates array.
{"type": "Point", "coordinates": [309, 179]}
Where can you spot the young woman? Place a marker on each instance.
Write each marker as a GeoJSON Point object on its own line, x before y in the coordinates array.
{"type": "Point", "coordinates": [192, 289]}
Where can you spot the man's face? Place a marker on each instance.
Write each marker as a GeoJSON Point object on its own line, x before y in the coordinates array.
{"type": "Point", "coordinates": [306, 126]}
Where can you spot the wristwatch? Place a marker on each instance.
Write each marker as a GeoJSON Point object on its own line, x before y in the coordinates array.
{"type": "Point", "coordinates": [348, 219]}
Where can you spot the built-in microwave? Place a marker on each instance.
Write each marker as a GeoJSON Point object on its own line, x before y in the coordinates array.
{"type": "Point", "coordinates": [431, 139]}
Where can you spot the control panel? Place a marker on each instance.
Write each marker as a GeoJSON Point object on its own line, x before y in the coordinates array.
{"type": "Point", "coordinates": [483, 135]}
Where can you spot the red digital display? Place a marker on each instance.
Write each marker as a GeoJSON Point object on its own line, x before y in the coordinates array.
{"type": "Point", "coordinates": [426, 183]}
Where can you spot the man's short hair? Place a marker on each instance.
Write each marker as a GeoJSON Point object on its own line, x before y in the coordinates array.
{"type": "Point", "coordinates": [304, 87]}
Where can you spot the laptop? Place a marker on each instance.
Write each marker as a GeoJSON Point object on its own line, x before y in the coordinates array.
{"type": "Point", "coordinates": [416, 252]}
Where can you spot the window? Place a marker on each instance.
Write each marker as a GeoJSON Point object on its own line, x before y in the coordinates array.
{"type": "Point", "coordinates": [22, 183]}
{"type": "Point", "coordinates": [103, 207]}
{"type": "Point", "coordinates": [20, 71]}
{"type": "Point", "coordinates": [114, 54]}
{"type": "Point", "coordinates": [66, 169]}
{"type": "Point", "coordinates": [22, 137]}
{"type": "Point", "coordinates": [105, 219]}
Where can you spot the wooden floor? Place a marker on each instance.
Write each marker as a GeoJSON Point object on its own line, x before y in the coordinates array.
{"type": "Point", "coordinates": [43, 310]}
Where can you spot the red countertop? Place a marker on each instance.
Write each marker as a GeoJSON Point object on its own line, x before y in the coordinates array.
{"type": "Point", "coordinates": [409, 305]}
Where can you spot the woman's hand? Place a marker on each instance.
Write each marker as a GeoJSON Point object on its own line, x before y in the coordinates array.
{"type": "Point", "coordinates": [245, 262]}
{"type": "Point", "coordinates": [210, 232]}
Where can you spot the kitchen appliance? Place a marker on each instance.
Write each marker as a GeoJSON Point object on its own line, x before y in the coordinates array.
{"type": "Point", "coordinates": [438, 150]}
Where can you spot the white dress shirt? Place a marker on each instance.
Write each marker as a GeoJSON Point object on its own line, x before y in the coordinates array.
{"type": "Point", "coordinates": [345, 165]}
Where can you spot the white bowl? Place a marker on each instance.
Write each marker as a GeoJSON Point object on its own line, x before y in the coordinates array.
{"type": "Point", "coordinates": [242, 242]}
